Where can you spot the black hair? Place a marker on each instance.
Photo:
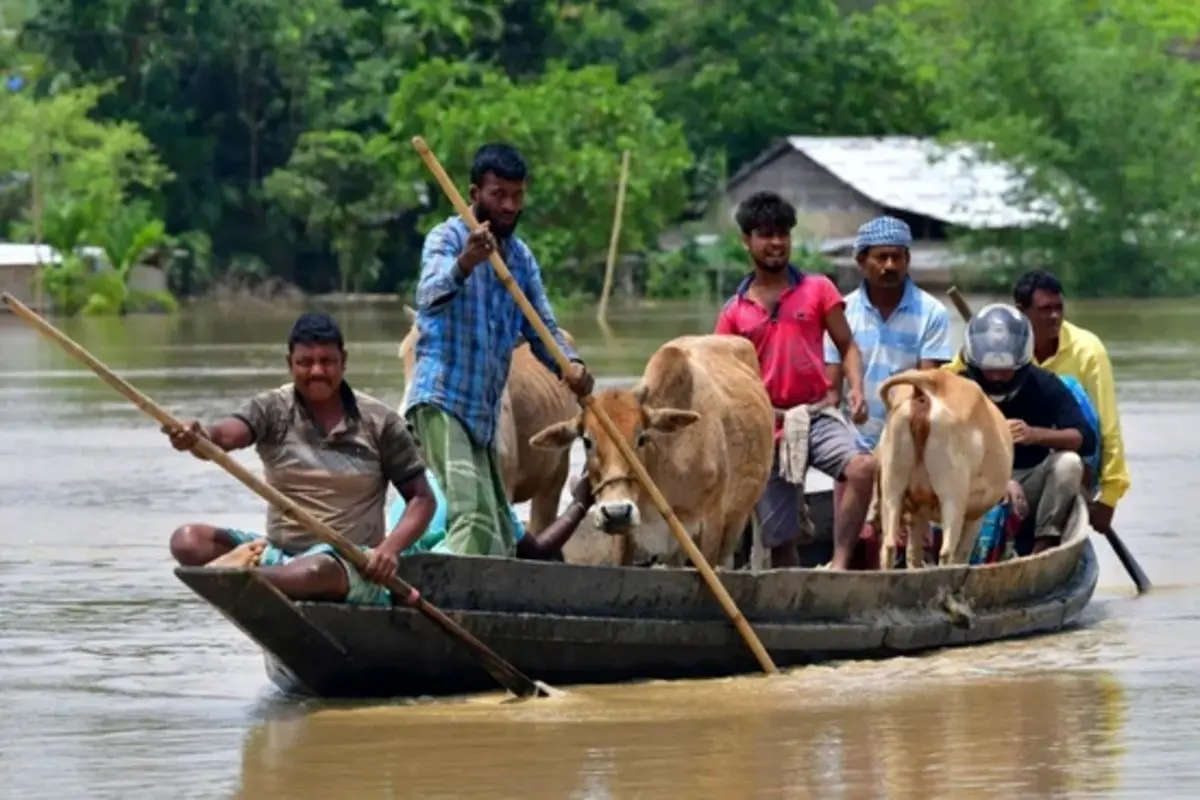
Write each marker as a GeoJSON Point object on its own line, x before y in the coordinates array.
{"type": "Point", "coordinates": [315, 328]}
{"type": "Point", "coordinates": [502, 160]}
{"type": "Point", "coordinates": [1036, 280]}
{"type": "Point", "coordinates": [765, 211]}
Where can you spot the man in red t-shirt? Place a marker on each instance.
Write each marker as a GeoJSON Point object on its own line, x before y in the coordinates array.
{"type": "Point", "coordinates": [786, 314]}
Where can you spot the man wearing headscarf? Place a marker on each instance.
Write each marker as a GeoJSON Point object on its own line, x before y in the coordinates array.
{"type": "Point", "coordinates": [896, 324]}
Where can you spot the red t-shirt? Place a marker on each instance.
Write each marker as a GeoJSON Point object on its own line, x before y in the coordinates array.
{"type": "Point", "coordinates": [791, 340]}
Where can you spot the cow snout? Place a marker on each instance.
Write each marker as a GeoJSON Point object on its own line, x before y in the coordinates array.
{"type": "Point", "coordinates": [615, 517]}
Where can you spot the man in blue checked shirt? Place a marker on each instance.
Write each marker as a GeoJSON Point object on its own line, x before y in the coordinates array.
{"type": "Point", "coordinates": [467, 326]}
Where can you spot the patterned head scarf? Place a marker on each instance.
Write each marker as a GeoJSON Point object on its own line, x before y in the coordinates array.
{"type": "Point", "coordinates": [882, 232]}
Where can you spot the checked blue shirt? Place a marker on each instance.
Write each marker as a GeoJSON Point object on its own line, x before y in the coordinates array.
{"type": "Point", "coordinates": [467, 328]}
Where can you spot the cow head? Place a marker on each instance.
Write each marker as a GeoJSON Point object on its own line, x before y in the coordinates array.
{"type": "Point", "coordinates": [616, 492]}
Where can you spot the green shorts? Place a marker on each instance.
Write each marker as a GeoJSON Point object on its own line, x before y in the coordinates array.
{"type": "Point", "coordinates": [362, 592]}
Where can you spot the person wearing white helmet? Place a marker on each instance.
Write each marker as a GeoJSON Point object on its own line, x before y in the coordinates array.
{"type": "Point", "coordinates": [1049, 429]}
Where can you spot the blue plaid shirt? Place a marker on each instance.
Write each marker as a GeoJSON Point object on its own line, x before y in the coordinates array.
{"type": "Point", "coordinates": [467, 328]}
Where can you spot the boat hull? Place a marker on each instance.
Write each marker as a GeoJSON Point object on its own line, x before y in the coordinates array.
{"type": "Point", "coordinates": [569, 624]}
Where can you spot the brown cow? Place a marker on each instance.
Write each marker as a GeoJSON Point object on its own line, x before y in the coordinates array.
{"type": "Point", "coordinates": [533, 398]}
{"type": "Point", "coordinates": [946, 454]}
{"type": "Point", "coordinates": [701, 423]}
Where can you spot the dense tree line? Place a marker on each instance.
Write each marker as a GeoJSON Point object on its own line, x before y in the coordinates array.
{"type": "Point", "coordinates": [268, 138]}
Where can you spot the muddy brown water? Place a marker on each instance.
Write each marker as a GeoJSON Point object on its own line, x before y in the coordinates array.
{"type": "Point", "coordinates": [115, 681]}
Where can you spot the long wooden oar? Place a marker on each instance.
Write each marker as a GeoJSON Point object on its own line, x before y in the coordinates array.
{"type": "Point", "coordinates": [1132, 567]}
{"type": "Point", "coordinates": [588, 402]}
{"type": "Point", "coordinates": [505, 674]}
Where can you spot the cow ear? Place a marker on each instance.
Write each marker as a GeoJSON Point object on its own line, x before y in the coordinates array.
{"type": "Point", "coordinates": [557, 436]}
{"type": "Point", "coordinates": [670, 420]}
{"type": "Point", "coordinates": [640, 392]}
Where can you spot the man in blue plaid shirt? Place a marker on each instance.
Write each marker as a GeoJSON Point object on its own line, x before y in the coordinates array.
{"type": "Point", "coordinates": [467, 327]}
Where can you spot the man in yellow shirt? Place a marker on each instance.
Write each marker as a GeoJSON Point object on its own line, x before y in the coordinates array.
{"type": "Point", "coordinates": [1067, 349]}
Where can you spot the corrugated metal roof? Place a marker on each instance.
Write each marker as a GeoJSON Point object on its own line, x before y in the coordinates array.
{"type": "Point", "coordinates": [20, 255]}
{"type": "Point", "coordinates": [922, 177]}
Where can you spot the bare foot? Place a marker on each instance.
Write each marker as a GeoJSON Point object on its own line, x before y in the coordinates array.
{"type": "Point", "coordinates": [244, 556]}
{"type": "Point", "coordinates": [834, 566]}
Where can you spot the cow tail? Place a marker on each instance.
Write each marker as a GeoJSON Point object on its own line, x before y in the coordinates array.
{"type": "Point", "coordinates": [921, 382]}
{"type": "Point", "coordinates": [919, 404]}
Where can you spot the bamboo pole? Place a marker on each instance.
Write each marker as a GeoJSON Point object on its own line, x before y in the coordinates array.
{"type": "Point", "coordinates": [610, 264]}
{"type": "Point", "coordinates": [35, 178]}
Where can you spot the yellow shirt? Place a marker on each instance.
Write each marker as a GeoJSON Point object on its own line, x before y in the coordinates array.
{"type": "Point", "coordinates": [1081, 355]}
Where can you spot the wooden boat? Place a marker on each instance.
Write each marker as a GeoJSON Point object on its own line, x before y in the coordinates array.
{"type": "Point", "coordinates": [571, 624]}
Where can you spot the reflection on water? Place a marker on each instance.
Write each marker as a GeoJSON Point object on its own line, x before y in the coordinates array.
{"type": "Point", "coordinates": [115, 681]}
{"type": "Point", "coordinates": [851, 733]}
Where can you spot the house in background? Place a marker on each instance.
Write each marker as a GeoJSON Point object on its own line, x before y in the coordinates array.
{"type": "Point", "coordinates": [838, 183]}
{"type": "Point", "coordinates": [20, 264]}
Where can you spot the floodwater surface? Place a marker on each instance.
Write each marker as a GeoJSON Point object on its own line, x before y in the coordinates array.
{"type": "Point", "coordinates": [116, 681]}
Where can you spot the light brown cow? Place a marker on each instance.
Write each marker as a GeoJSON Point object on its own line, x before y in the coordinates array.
{"type": "Point", "coordinates": [533, 398]}
{"type": "Point", "coordinates": [945, 454]}
{"type": "Point", "coordinates": [701, 423]}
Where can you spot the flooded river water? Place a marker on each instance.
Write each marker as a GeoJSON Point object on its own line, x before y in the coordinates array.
{"type": "Point", "coordinates": [115, 681]}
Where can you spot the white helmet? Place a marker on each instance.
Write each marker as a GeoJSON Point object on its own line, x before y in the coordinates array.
{"type": "Point", "coordinates": [999, 337]}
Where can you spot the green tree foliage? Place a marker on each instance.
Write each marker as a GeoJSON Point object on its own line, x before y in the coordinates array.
{"type": "Point", "coordinates": [338, 182]}
{"type": "Point", "coordinates": [741, 74]}
{"type": "Point", "coordinates": [130, 235]}
{"type": "Point", "coordinates": [223, 89]}
{"type": "Point", "coordinates": [572, 125]}
{"type": "Point", "coordinates": [97, 163]}
{"type": "Point", "coordinates": [269, 114]}
{"type": "Point", "coordinates": [1090, 102]}
{"type": "Point", "coordinates": [87, 175]}
{"type": "Point", "coordinates": [285, 125]}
